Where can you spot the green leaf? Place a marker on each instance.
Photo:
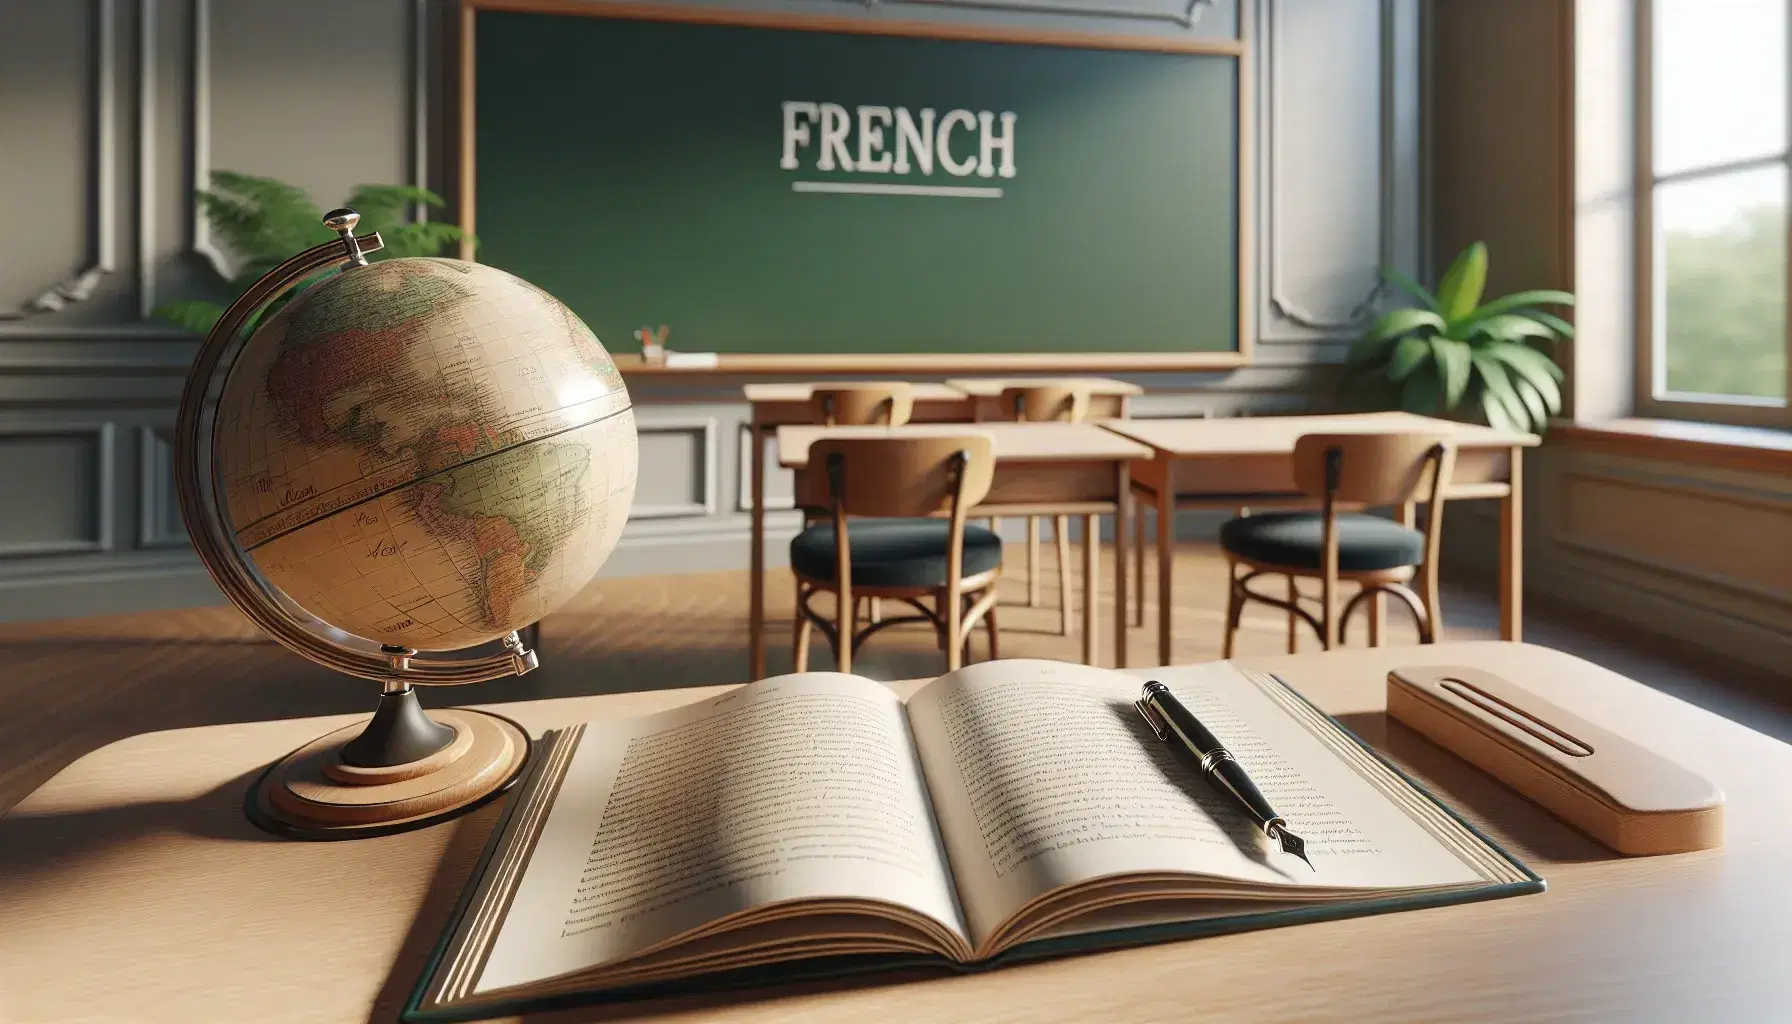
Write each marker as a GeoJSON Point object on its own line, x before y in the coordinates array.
{"type": "Point", "coordinates": [427, 238]}
{"type": "Point", "coordinates": [1408, 356]}
{"type": "Point", "coordinates": [1453, 364]}
{"type": "Point", "coordinates": [1527, 359]}
{"type": "Point", "coordinates": [1533, 366]}
{"type": "Point", "coordinates": [1510, 327]}
{"type": "Point", "coordinates": [1549, 320]}
{"type": "Point", "coordinates": [384, 207]}
{"type": "Point", "coordinates": [1422, 392]}
{"type": "Point", "coordinates": [1495, 381]}
{"type": "Point", "coordinates": [1392, 324]}
{"type": "Point", "coordinates": [1410, 287]}
{"type": "Point", "coordinates": [1509, 303]}
{"type": "Point", "coordinates": [1533, 403]}
{"type": "Point", "coordinates": [1495, 411]}
{"type": "Point", "coordinates": [1460, 290]}
{"type": "Point", "coordinates": [194, 315]}
{"type": "Point", "coordinates": [260, 218]}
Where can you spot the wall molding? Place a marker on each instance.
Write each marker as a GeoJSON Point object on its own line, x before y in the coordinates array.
{"type": "Point", "coordinates": [1270, 88]}
{"type": "Point", "coordinates": [1189, 14]}
{"type": "Point", "coordinates": [147, 63]}
{"type": "Point", "coordinates": [1557, 518]}
{"type": "Point", "coordinates": [199, 151]}
{"type": "Point", "coordinates": [102, 488]}
{"type": "Point", "coordinates": [708, 472]}
{"type": "Point", "coordinates": [102, 174]}
{"type": "Point", "coordinates": [155, 484]}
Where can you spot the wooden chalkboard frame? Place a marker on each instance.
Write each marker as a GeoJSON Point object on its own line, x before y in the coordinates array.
{"type": "Point", "coordinates": [920, 363]}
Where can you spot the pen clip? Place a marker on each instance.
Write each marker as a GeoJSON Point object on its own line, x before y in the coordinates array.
{"type": "Point", "coordinates": [1152, 719]}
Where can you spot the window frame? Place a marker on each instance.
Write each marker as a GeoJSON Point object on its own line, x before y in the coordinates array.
{"type": "Point", "coordinates": [1737, 410]}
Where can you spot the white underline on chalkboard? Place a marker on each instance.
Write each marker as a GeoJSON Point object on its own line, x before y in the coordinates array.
{"type": "Point", "coordinates": [869, 189]}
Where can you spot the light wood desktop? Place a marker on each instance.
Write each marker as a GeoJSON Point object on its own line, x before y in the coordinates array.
{"type": "Point", "coordinates": [780, 404]}
{"type": "Point", "coordinates": [132, 888]}
{"type": "Point", "coordinates": [1225, 463]}
{"type": "Point", "coordinates": [1041, 469]}
{"type": "Point", "coordinates": [1108, 399]}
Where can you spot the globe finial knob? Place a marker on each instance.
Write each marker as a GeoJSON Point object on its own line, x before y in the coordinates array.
{"type": "Point", "coordinates": [343, 221]}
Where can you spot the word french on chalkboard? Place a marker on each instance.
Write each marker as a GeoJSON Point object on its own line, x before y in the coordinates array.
{"type": "Point", "coordinates": [809, 194]}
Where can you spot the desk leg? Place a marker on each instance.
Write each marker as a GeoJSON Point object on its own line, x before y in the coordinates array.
{"type": "Point", "coordinates": [1512, 554]}
{"type": "Point", "coordinates": [1123, 512]}
{"type": "Point", "coordinates": [1091, 585]}
{"type": "Point", "coordinates": [756, 558]}
{"type": "Point", "coordinates": [1166, 560]}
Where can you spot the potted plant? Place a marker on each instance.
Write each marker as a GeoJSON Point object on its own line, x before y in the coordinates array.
{"type": "Point", "coordinates": [263, 222]}
{"type": "Point", "coordinates": [1453, 352]}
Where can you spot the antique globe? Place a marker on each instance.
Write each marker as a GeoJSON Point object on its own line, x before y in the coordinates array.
{"type": "Point", "coordinates": [409, 458]}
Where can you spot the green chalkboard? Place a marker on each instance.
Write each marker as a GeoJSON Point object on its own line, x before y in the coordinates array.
{"type": "Point", "coordinates": [640, 169]}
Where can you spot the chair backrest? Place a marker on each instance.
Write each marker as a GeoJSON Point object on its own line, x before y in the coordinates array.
{"type": "Point", "coordinates": [899, 476]}
{"type": "Point", "coordinates": [857, 405]}
{"type": "Point", "coordinates": [1035, 403]}
{"type": "Point", "coordinates": [1374, 469]}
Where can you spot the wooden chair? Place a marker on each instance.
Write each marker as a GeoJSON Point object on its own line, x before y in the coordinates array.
{"type": "Point", "coordinates": [840, 405]}
{"type": "Point", "coordinates": [1039, 404]}
{"type": "Point", "coordinates": [883, 403]}
{"type": "Point", "coordinates": [1380, 555]}
{"type": "Point", "coordinates": [883, 536]}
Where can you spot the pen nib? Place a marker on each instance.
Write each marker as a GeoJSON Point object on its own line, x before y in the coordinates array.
{"type": "Point", "coordinates": [1293, 844]}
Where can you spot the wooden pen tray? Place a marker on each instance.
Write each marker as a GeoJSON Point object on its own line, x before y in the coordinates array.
{"type": "Point", "coordinates": [1628, 798]}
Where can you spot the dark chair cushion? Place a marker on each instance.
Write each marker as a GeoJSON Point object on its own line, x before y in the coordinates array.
{"type": "Point", "coordinates": [1365, 543]}
{"type": "Point", "coordinates": [894, 552]}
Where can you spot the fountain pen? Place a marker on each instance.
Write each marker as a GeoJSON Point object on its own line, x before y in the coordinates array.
{"type": "Point", "coordinates": [1174, 723]}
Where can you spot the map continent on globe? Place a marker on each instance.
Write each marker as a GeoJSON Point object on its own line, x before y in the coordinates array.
{"type": "Point", "coordinates": [426, 452]}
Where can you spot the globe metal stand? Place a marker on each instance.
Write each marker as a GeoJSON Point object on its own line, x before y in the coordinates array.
{"type": "Point", "coordinates": [403, 768]}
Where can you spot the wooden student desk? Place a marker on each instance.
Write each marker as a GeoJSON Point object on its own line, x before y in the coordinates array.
{"type": "Point", "coordinates": [1041, 469]}
{"type": "Point", "coordinates": [776, 405]}
{"type": "Point", "coordinates": [1225, 463]}
{"type": "Point", "coordinates": [132, 889]}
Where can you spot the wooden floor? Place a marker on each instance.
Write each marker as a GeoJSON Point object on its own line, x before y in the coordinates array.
{"type": "Point", "coordinates": [72, 686]}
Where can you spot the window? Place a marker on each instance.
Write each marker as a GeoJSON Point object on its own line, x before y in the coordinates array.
{"type": "Point", "coordinates": [1715, 171]}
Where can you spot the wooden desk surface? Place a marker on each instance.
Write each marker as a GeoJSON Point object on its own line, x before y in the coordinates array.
{"type": "Point", "coordinates": [800, 392]}
{"type": "Point", "coordinates": [132, 889]}
{"type": "Point", "coordinates": [1258, 435]}
{"type": "Point", "coordinates": [991, 387]}
{"type": "Point", "coordinates": [1014, 442]}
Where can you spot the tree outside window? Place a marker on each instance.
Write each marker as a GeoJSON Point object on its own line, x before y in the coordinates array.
{"type": "Point", "coordinates": [1713, 93]}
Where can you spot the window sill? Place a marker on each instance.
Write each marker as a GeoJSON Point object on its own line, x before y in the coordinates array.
{"type": "Point", "coordinates": [1751, 449]}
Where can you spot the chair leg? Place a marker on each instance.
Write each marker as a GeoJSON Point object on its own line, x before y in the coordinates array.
{"type": "Point", "coordinates": [1032, 561]}
{"type": "Point", "coordinates": [952, 611]}
{"type": "Point", "coordinates": [846, 626]}
{"type": "Point", "coordinates": [1138, 565]}
{"type": "Point", "coordinates": [989, 626]}
{"type": "Point", "coordinates": [1293, 619]}
{"type": "Point", "coordinates": [877, 609]}
{"type": "Point", "coordinates": [1434, 614]}
{"type": "Point", "coordinates": [803, 626]}
{"type": "Point", "coordinates": [1061, 535]}
{"type": "Point", "coordinates": [1234, 609]}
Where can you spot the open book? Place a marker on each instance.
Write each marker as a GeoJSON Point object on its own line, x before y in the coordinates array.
{"type": "Point", "coordinates": [817, 824]}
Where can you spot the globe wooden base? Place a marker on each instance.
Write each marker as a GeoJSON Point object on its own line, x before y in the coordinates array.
{"type": "Point", "coordinates": [312, 794]}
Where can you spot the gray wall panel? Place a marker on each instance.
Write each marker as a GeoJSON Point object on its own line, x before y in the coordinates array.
{"type": "Point", "coordinates": [59, 489]}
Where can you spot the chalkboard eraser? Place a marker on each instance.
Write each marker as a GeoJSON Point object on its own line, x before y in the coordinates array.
{"type": "Point", "coordinates": [690, 360]}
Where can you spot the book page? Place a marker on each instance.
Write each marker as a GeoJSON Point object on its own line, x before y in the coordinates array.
{"type": "Point", "coordinates": [1044, 775]}
{"type": "Point", "coordinates": [801, 787]}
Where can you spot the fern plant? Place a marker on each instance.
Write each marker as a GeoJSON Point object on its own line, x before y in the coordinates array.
{"type": "Point", "coordinates": [1452, 351]}
{"type": "Point", "coordinates": [264, 222]}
